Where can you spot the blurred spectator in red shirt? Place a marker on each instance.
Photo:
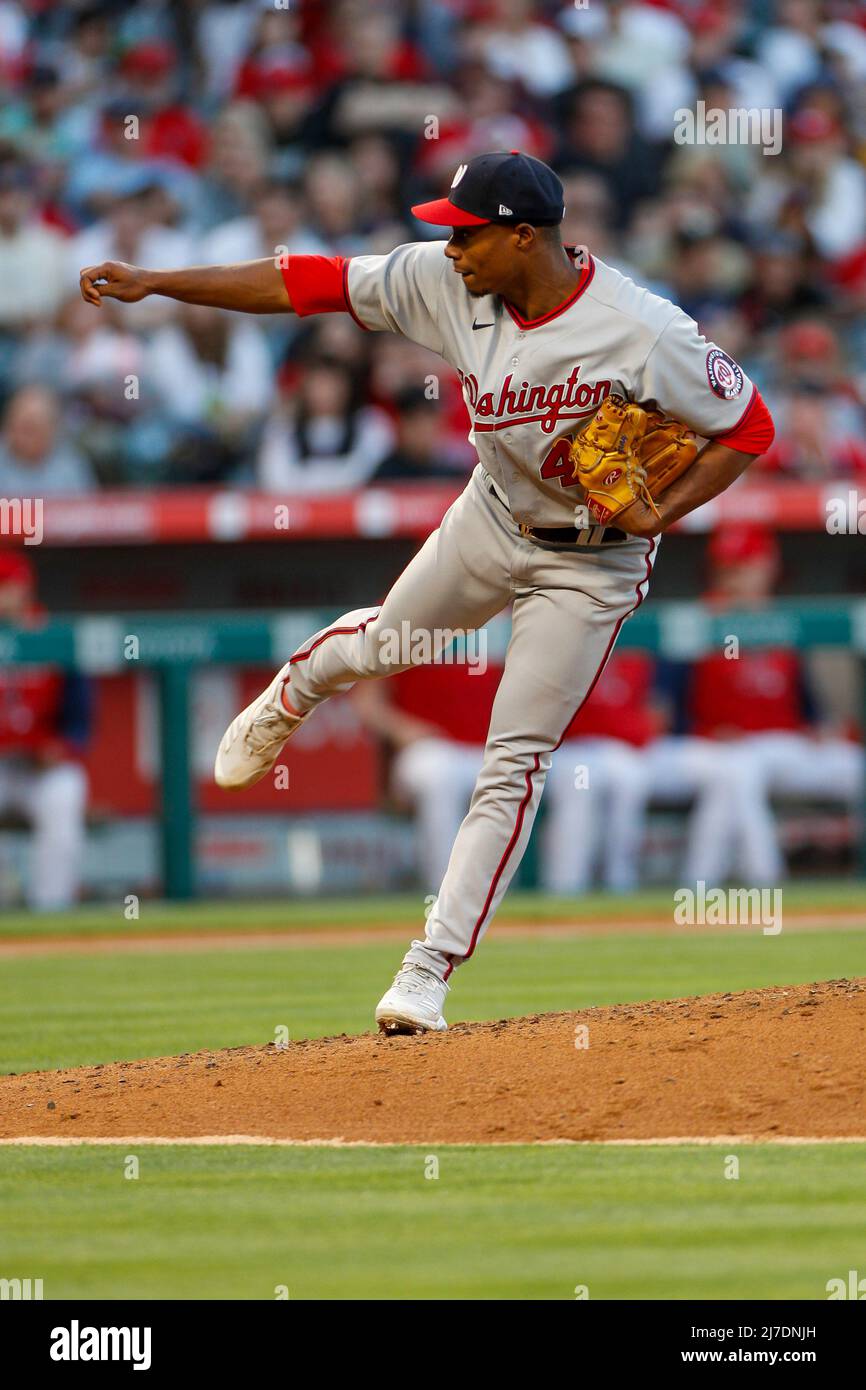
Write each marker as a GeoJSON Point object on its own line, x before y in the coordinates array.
{"type": "Point", "coordinates": [382, 82]}
{"type": "Point", "coordinates": [275, 54]}
{"type": "Point", "coordinates": [810, 355]}
{"type": "Point", "coordinates": [150, 80]}
{"type": "Point", "coordinates": [488, 116]}
{"type": "Point", "coordinates": [820, 422]}
{"type": "Point", "coordinates": [399, 367]}
{"type": "Point", "coordinates": [358, 38]}
{"type": "Point", "coordinates": [814, 443]}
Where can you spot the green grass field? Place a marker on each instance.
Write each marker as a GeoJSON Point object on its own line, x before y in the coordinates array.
{"type": "Point", "coordinates": [503, 1223]}
{"type": "Point", "coordinates": [65, 1011]}
{"type": "Point", "coordinates": [159, 917]}
{"type": "Point", "coordinates": [58, 1010]}
{"type": "Point", "coordinates": [512, 1222]}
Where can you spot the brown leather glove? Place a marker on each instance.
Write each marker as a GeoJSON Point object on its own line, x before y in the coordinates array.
{"type": "Point", "coordinates": [627, 454]}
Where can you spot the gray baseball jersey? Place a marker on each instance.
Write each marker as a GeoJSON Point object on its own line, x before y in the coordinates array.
{"type": "Point", "coordinates": [530, 385]}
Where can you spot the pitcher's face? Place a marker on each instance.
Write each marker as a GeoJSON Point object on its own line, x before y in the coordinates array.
{"type": "Point", "coordinates": [486, 257]}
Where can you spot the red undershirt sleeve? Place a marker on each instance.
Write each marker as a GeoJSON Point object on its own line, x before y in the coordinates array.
{"type": "Point", "coordinates": [754, 431]}
{"type": "Point", "coordinates": [316, 284]}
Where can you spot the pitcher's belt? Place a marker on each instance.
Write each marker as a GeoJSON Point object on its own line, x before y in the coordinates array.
{"type": "Point", "coordinates": [561, 535]}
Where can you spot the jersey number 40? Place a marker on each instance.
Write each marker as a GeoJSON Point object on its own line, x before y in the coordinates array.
{"type": "Point", "coordinates": [558, 464]}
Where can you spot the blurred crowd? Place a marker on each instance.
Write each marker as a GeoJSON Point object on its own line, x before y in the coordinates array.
{"type": "Point", "coordinates": [173, 132]}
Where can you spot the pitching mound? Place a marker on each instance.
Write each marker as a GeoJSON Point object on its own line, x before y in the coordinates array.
{"type": "Point", "coordinates": [763, 1064]}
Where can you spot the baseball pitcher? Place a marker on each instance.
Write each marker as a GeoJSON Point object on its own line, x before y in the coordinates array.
{"type": "Point", "coordinates": [585, 394]}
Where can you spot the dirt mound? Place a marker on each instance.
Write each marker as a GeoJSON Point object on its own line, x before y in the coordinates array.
{"type": "Point", "coordinates": [765, 1063]}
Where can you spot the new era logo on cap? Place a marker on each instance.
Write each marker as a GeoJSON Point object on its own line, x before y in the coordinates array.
{"type": "Point", "coordinates": [503, 187]}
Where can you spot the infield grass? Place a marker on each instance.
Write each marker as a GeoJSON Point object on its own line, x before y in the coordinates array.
{"type": "Point", "coordinates": [67, 1011]}
{"type": "Point", "coordinates": [511, 1222]}
{"type": "Point", "coordinates": [58, 1011]}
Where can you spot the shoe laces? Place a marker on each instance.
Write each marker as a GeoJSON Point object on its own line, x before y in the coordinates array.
{"type": "Point", "coordinates": [270, 727]}
{"type": "Point", "coordinates": [414, 979]}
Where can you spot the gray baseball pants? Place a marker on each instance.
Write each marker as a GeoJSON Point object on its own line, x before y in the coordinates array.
{"type": "Point", "coordinates": [569, 604]}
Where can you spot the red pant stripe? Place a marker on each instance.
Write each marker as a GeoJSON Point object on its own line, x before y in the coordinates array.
{"type": "Point", "coordinates": [531, 771]}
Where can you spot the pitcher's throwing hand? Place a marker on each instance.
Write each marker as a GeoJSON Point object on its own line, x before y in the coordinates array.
{"type": "Point", "coordinates": [113, 280]}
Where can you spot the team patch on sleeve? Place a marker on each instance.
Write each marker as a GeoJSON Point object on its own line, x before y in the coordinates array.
{"type": "Point", "coordinates": [723, 374]}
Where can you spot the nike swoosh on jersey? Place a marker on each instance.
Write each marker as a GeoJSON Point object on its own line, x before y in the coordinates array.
{"type": "Point", "coordinates": [476, 326]}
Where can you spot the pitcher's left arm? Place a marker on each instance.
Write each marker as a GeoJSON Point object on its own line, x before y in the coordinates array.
{"type": "Point", "coordinates": [697, 382]}
{"type": "Point", "coordinates": [715, 468]}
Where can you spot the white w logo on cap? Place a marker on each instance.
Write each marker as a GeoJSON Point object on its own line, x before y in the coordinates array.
{"type": "Point", "coordinates": [458, 176]}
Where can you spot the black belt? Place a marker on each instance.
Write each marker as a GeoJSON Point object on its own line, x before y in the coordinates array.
{"type": "Point", "coordinates": [561, 535]}
{"type": "Point", "coordinates": [564, 535]}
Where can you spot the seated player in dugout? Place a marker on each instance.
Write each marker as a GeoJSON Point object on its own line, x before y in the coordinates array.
{"type": "Point", "coordinates": [598, 787]}
{"type": "Point", "coordinates": [557, 353]}
{"type": "Point", "coordinates": [768, 714]}
{"type": "Point", "coordinates": [434, 720]}
{"type": "Point", "coordinates": [744, 724]}
{"type": "Point", "coordinates": [45, 720]}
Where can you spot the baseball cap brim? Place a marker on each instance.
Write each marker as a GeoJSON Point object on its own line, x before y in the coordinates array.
{"type": "Point", "coordinates": [443, 213]}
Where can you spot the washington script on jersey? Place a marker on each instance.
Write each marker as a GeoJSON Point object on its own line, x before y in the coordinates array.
{"type": "Point", "coordinates": [528, 404]}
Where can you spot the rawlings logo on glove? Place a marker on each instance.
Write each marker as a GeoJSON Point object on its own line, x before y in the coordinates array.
{"type": "Point", "coordinates": [627, 454]}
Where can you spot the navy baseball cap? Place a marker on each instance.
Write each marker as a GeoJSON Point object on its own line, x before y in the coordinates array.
{"type": "Point", "coordinates": [505, 187]}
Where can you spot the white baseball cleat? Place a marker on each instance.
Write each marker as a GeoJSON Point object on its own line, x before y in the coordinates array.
{"type": "Point", "coordinates": [252, 742]}
{"type": "Point", "coordinates": [414, 1002]}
